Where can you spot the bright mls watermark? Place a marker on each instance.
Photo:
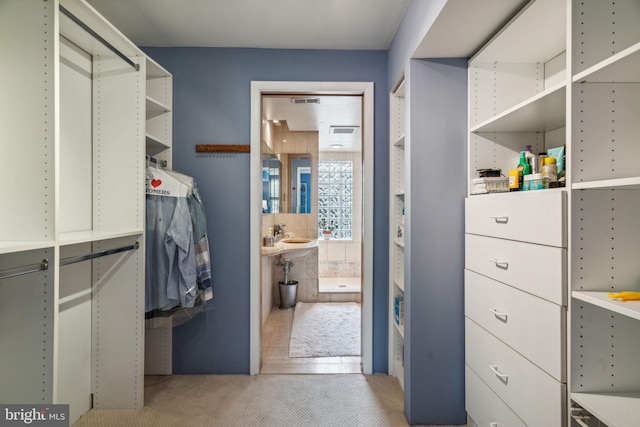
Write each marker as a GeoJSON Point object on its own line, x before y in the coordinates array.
{"type": "Point", "coordinates": [36, 415]}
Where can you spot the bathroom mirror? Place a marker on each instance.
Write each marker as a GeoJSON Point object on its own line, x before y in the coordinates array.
{"type": "Point", "coordinates": [271, 168]}
{"type": "Point", "coordinates": [299, 167]}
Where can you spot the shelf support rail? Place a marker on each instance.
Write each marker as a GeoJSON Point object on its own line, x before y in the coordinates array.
{"type": "Point", "coordinates": [99, 37]}
{"type": "Point", "coordinates": [79, 258]}
{"type": "Point", "coordinates": [19, 271]}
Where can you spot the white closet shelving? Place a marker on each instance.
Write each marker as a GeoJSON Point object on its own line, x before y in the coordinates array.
{"type": "Point", "coordinates": [159, 115]}
{"type": "Point", "coordinates": [396, 220]}
{"type": "Point", "coordinates": [516, 243]}
{"type": "Point", "coordinates": [159, 137]}
{"type": "Point", "coordinates": [605, 200]}
{"type": "Point", "coordinates": [72, 180]}
{"type": "Point", "coordinates": [594, 100]}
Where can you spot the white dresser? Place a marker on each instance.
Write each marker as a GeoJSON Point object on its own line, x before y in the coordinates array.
{"type": "Point", "coordinates": [515, 308]}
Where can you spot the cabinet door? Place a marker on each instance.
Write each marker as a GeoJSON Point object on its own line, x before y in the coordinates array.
{"type": "Point", "coordinates": [537, 398]}
{"type": "Point", "coordinates": [537, 269]}
{"type": "Point", "coordinates": [530, 325]}
{"type": "Point", "coordinates": [529, 216]}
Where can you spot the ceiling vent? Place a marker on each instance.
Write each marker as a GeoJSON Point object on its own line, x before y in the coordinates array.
{"type": "Point", "coordinates": [305, 100]}
{"type": "Point", "coordinates": [343, 130]}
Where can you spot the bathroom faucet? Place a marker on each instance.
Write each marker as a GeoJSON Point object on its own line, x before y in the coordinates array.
{"type": "Point", "coordinates": [278, 231]}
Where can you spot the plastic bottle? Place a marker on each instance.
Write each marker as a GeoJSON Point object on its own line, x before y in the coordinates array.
{"type": "Point", "coordinates": [549, 173]}
{"type": "Point", "coordinates": [524, 165]}
{"type": "Point", "coordinates": [532, 159]}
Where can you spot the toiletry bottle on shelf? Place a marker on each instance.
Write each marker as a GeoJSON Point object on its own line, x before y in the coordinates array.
{"type": "Point", "coordinates": [515, 182]}
{"type": "Point", "coordinates": [532, 159]}
{"type": "Point", "coordinates": [549, 173]}
{"type": "Point", "coordinates": [524, 168]}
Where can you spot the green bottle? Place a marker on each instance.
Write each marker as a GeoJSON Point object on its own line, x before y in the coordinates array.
{"type": "Point", "coordinates": [524, 165]}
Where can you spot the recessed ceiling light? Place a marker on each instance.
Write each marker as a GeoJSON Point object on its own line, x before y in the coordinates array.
{"type": "Point", "coordinates": [336, 145]}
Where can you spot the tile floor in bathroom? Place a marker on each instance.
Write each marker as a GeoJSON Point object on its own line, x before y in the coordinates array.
{"type": "Point", "coordinates": [275, 351]}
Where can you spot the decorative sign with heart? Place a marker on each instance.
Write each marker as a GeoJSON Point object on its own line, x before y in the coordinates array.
{"type": "Point", "coordinates": [156, 182]}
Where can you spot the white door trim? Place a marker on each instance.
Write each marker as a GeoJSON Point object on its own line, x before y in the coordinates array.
{"type": "Point", "coordinates": [255, 212]}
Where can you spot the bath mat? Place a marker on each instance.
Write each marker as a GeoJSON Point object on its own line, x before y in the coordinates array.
{"type": "Point", "coordinates": [325, 329]}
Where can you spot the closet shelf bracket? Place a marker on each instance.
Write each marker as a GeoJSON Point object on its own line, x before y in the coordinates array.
{"type": "Point", "coordinates": [19, 271]}
{"type": "Point", "coordinates": [79, 258]}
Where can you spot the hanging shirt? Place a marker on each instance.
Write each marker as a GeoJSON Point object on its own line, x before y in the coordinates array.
{"type": "Point", "coordinates": [170, 266]}
{"type": "Point", "coordinates": [201, 241]}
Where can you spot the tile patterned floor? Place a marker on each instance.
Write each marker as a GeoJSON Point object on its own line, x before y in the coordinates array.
{"type": "Point", "coordinates": [275, 351]}
{"type": "Point", "coordinates": [339, 284]}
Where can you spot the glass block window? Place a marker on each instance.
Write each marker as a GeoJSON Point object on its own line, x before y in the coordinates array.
{"type": "Point", "coordinates": [335, 196]}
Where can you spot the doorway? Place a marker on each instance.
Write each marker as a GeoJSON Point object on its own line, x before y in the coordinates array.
{"type": "Point", "coordinates": [258, 89]}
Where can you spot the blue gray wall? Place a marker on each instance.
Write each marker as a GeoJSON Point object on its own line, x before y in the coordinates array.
{"type": "Point", "coordinates": [434, 243]}
{"type": "Point", "coordinates": [417, 20]}
{"type": "Point", "coordinates": [211, 104]}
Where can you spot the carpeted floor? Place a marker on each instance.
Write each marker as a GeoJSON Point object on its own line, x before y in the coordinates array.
{"type": "Point", "coordinates": [261, 401]}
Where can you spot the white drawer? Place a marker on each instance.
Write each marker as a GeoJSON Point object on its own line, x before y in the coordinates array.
{"type": "Point", "coordinates": [528, 216]}
{"type": "Point", "coordinates": [532, 326]}
{"type": "Point", "coordinates": [537, 269]}
{"type": "Point", "coordinates": [536, 397]}
{"type": "Point", "coordinates": [484, 407]}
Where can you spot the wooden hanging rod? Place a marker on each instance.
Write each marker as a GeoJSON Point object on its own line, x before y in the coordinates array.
{"type": "Point", "coordinates": [217, 148]}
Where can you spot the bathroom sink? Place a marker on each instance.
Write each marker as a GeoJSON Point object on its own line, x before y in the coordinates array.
{"type": "Point", "coordinates": [291, 248]}
{"type": "Point", "coordinates": [296, 240]}
{"type": "Point", "coordinates": [296, 247]}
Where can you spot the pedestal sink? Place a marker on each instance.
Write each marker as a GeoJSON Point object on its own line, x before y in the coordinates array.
{"type": "Point", "coordinates": [291, 248]}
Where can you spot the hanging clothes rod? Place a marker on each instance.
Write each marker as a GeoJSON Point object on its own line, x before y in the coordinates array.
{"type": "Point", "coordinates": [161, 163]}
{"type": "Point", "coordinates": [98, 37]}
{"type": "Point", "coordinates": [19, 271]}
{"type": "Point", "coordinates": [79, 258]}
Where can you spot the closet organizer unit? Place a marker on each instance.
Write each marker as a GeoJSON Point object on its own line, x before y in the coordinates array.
{"type": "Point", "coordinates": [396, 250]}
{"type": "Point", "coordinates": [72, 185]}
{"type": "Point", "coordinates": [605, 206]}
{"type": "Point", "coordinates": [516, 243]}
{"type": "Point", "coordinates": [158, 135]}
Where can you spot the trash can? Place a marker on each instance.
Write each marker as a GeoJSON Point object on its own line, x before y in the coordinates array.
{"type": "Point", "coordinates": [288, 293]}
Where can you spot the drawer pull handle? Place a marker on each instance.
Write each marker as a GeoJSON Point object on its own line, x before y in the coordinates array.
{"type": "Point", "coordinates": [503, 377]}
{"type": "Point", "coordinates": [500, 316]}
{"type": "Point", "coordinates": [500, 219]}
{"type": "Point", "coordinates": [502, 265]}
{"type": "Point", "coordinates": [493, 424]}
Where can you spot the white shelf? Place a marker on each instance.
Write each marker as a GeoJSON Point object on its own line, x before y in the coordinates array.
{"type": "Point", "coordinates": [399, 242]}
{"type": "Point", "coordinates": [622, 67]}
{"type": "Point", "coordinates": [613, 409]}
{"type": "Point", "coordinates": [399, 284]}
{"type": "Point", "coordinates": [543, 112]}
{"type": "Point", "coordinates": [156, 142]}
{"type": "Point", "coordinates": [399, 371]}
{"type": "Point", "coordinates": [75, 237]}
{"type": "Point", "coordinates": [632, 183]}
{"type": "Point", "coordinates": [9, 247]}
{"type": "Point", "coordinates": [155, 70]}
{"type": "Point", "coordinates": [601, 299]}
{"type": "Point", "coordinates": [400, 329]}
{"type": "Point", "coordinates": [399, 143]}
{"type": "Point", "coordinates": [536, 34]}
{"type": "Point", "coordinates": [156, 107]}
{"type": "Point", "coordinates": [398, 91]}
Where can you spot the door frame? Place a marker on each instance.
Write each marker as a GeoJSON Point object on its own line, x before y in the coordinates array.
{"type": "Point", "coordinates": [258, 88]}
